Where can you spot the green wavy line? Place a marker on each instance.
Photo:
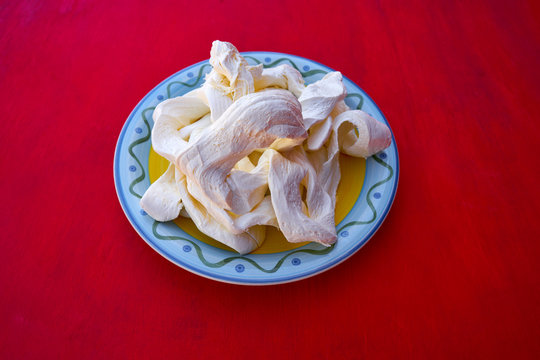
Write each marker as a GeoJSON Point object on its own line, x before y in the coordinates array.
{"type": "Point", "coordinates": [280, 60]}
{"type": "Point", "coordinates": [199, 75]}
{"type": "Point", "coordinates": [141, 177]}
{"type": "Point", "coordinates": [368, 196]}
{"type": "Point", "coordinates": [360, 97]}
{"type": "Point", "coordinates": [227, 260]}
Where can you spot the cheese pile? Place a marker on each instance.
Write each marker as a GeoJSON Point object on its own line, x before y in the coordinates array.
{"type": "Point", "coordinates": [211, 134]}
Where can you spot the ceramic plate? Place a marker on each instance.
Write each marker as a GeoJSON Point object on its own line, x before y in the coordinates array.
{"type": "Point", "coordinates": [367, 196]}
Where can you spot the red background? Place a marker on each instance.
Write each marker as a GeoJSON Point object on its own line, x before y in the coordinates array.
{"type": "Point", "coordinates": [452, 273]}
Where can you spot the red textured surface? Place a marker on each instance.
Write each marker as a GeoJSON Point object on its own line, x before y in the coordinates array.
{"type": "Point", "coordinates": [452, 273]}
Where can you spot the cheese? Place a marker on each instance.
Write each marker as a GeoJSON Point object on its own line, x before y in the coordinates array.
{"type": "Point", "coordinates": [282, 76]}
{"type": "Point", "coordinates": [162, 200]}
{"type": "Point", "coordinates": [320, 98]}
{"type": "Point", "coordinates": [316, 222]}
{"type": "Point", "coordinates": [254, 121]}
{"type": "Point", "coordinates": [243, 243]}
{"type": "Point", "coordinates": [172, 115]}
{"type": "Point", "coordinates": [299, 131]}
{"type": "Point", "coordinates": [358, 134]}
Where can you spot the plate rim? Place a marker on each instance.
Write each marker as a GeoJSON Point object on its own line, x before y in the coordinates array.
{"type": "Point", "coordinates": [252, 282]}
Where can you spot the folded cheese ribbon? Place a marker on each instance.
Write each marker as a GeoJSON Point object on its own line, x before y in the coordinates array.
{"type": "Point", "coordinates": [172, 115]}
{"type": "Point", "coordinates": [162, 200]}
{"type": "Point", "coordinates": [313, 221]}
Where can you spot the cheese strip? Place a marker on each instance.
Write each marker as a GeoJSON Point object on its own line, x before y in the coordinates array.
{"type": "Point", "coordinates": [282, 76]}
{"type": "Point", "coordinates": [217, 94]}
{"type": "Point", "coordinates": [320, 132]}
{"type": "Point", "coordinates": [242, 243]}
{"type": "Point", "coordinates": [172, 115]}
{"type": "Point", "coordinates": [254, 189]}
{"type": "Point", "coordinates": [227, 61]}
{"type": "Point", "coordinates": [162, 199]}
{"type": "Point", "coordinates": [358, 134]}
{"type": "Point", "coordinates": [230, 79]}
{"type": "Point", "coordinates": [316, 223]}
{"type": "Point", "coordinates": [320, 98]}
{"type": "Point", "coordinates": [254, 121]}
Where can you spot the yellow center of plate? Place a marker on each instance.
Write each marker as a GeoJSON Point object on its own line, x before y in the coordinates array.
{"type": "Point", "coordinates": [353, 171]}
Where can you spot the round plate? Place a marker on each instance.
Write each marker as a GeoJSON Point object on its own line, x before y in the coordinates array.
{"type": "Point", "coordinates": [132, 179]}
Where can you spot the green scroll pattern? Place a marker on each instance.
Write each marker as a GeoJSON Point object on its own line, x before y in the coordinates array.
{"type": "Point", "coordinates": [368, 196]}
{"type": "Point", "coordinates": [223, 262]}
{"type": "Point", "coordinates": [142, 140]}
{"type": "Point", "coordinates": [188, 85]}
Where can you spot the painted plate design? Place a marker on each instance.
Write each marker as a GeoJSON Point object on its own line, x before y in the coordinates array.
{"type": "Point", "coordinates": [131, 176]}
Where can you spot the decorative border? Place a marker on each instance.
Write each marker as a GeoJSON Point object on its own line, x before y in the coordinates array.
{"type": "Point", "coordinates": [368, 196]}
{"type": "Point", "coordinates": [142, 140]}
{"type": "Point", "coordinates": [227, 260]}
{"type": "Point", "coordinates": [197, 79]}
{"type": "Point", "coordinates": [239, 267]}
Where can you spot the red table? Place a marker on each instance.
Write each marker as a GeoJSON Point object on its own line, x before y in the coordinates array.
{"type": "Point", "coordinates": [453, 272]}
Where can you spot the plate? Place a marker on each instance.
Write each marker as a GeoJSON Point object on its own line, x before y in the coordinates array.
{"type": "Point", "coordinates": [369, 203]}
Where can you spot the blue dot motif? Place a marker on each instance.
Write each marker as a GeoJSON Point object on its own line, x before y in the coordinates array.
{"type": "Point", "coordinates": [132, 168]}
{"type": "Point", "coordinates": [296, 261]}
{"type": "Point", "coordinates": [267, 59]}
{"type": "Point", "coordinates": [344, 233]}
{"type": "Point", "coordinates": [305, 67]}
{"type": "Point", "coordinates": [138, 130]}
{"type": "Point", "coordinates": [239, 268]}
{"type": "Point", "coordinates": [382, 155]}
{"type": "Point", "coordinates": [377, 195]}
{"type": "Point", "coordinates": [186, 248]}
{"type": "Point", "coordinates": [189, 74]}
{"type": "Point", "coordinates": [143, 213]}
{"type": "Point", "coordinates": [160, 97]}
